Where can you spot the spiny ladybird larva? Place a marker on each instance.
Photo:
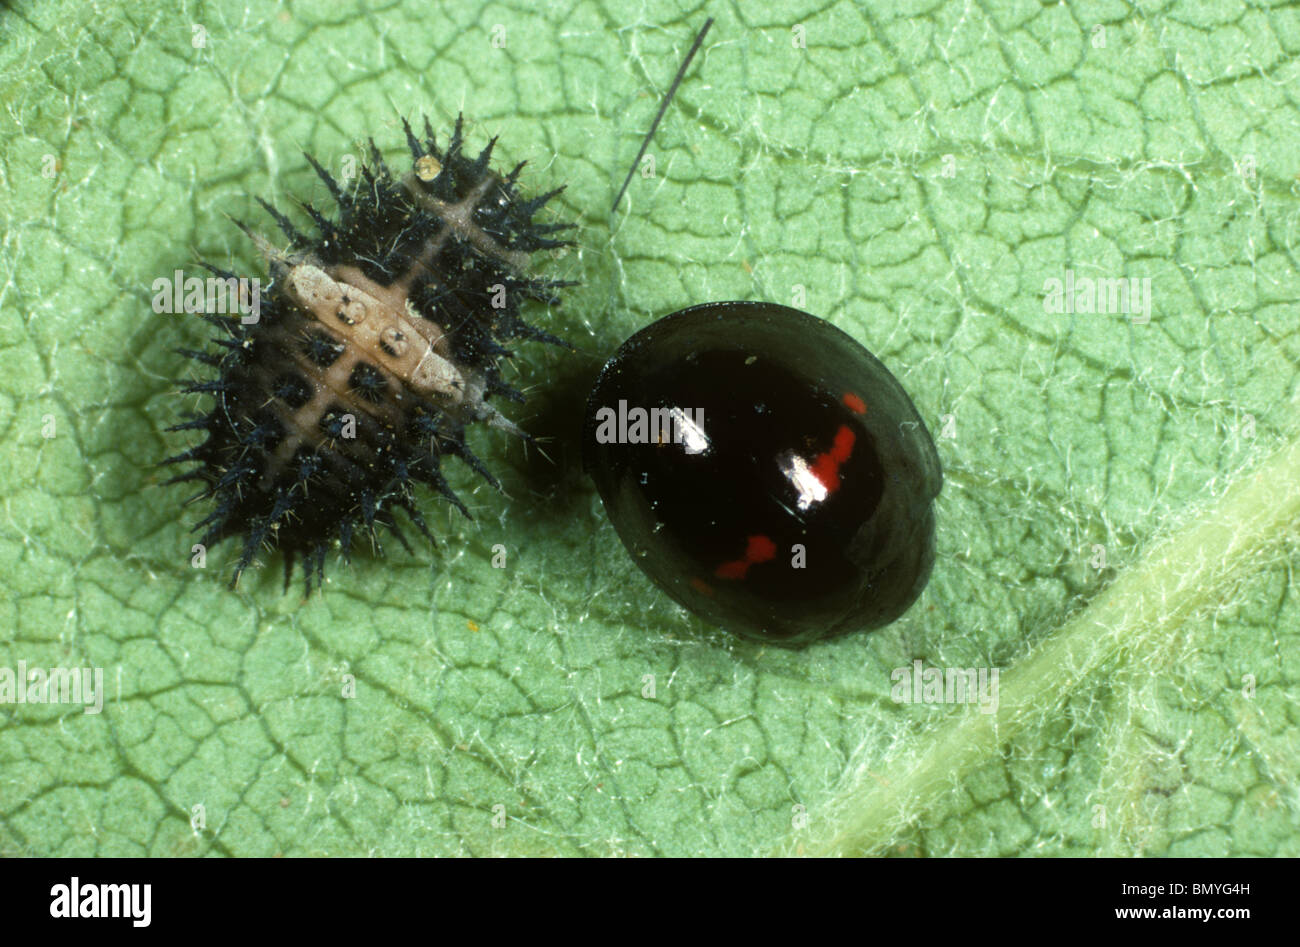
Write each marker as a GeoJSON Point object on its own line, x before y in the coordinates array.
{"type": "Point", "coordinates": [376, 343]}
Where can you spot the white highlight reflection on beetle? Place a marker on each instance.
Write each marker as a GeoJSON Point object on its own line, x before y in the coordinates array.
{"type": "Point", "coordinates": [809, 487]}
{"type": "Point", "coordinates": [689, 433]}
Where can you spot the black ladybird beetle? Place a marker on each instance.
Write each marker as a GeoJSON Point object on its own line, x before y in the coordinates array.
{"type": "Point", "coordinates": [766, 471]}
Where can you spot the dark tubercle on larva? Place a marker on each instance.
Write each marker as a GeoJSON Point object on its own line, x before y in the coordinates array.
{"type": "Point", "coordinates": [378, 341]}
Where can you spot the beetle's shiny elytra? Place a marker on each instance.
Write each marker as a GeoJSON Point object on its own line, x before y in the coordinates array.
{"type": "Point", "coordinates": [766, 471]}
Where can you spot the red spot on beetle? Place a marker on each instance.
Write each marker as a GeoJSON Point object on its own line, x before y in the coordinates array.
{"type": "Point", "coordinates": [701, 586]}
{"type": "Point", "coordinates": [826, 467]}
{"type": "Point", "coordinates": [758, 549]}
{"type": "Point", "coordinates": [854, 403]}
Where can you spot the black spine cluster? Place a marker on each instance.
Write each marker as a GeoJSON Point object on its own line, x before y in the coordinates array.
{"type": "Point", "coordinates": [337, 487]}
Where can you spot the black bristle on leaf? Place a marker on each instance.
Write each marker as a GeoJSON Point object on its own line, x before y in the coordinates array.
{"type": "Point", "coordinates": [287, 228]}
{"type": "Point", "coordinates": [336, 192]}
{"type": "Point", "coordinates": [412, 142]}
{"type": "Point", "coordinates": [323, 223]}
{"type": "Point", "coordinates": [198, 422]}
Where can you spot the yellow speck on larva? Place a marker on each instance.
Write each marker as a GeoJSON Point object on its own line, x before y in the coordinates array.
{"type": "Point", "coordinates": [427, 168]}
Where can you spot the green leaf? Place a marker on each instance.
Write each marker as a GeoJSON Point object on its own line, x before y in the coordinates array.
{"type": "Point", "coordinates": [1118, 528]}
